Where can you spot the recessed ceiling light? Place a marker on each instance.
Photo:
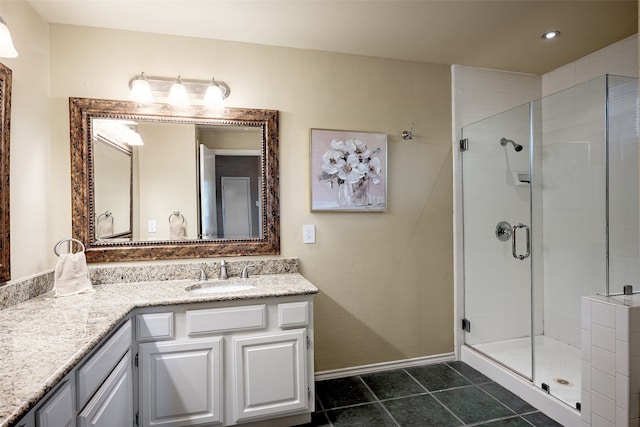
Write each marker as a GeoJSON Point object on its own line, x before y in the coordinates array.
{"type": "Point", "coordinates": [551, 35]}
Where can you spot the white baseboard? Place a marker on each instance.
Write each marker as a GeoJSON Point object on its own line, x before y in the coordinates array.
{"type": "Point", "coordinates": [384, 366]}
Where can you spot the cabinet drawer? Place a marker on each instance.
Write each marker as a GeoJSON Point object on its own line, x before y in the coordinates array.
{"type": "Point", "coordinates": [226, 319]}
{"type": "Point", "coordinates": [58, 409]}
{"type": "Point", "coordinates": [113, 402]}
{"type": "Point", "coordinates": [93, 373]}
{"type": "Point", "coordinates": [293, 314]}
{"type": "Point", "coordinates": [154, 326]}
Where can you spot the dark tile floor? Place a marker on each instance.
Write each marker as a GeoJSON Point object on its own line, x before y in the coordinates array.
{"type": "Point", "coordinates": [444, 394]}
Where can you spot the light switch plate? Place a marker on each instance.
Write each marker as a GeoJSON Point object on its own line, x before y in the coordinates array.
{"type": "Point", "coordinates": [152, 226]}
{"type": "Point", "coordinates": [309, 233]}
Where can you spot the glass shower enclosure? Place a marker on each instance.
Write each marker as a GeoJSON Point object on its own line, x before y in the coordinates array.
{"type": "Point", "coordinates": [550, 214]}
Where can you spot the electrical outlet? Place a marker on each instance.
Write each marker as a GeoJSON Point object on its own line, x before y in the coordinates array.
{"type": "Point", "coordinates": [152, 226]}
{"type": "Point", "coordinates": [309, 233]}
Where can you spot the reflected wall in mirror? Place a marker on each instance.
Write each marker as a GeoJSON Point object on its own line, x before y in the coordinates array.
{"type": "Point", "coordinates": [155, 183]}
{"type": "Point", "coordinates": [113, 178]}
{"type": "Point", "coordinates": [5, 131]}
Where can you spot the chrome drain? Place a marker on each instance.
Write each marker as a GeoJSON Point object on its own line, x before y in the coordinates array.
{"type": "Point", "coordinates": [563, 382]}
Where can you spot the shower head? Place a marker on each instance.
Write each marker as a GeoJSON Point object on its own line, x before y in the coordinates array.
{"type": "Point", "coordinates": [505, 141]}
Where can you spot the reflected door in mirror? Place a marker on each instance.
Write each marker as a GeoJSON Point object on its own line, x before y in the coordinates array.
{"type": "Point", "coordinates": [230, 196]}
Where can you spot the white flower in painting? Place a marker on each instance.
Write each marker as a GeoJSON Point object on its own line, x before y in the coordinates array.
{"type": "Point", "coordinates": [374, 169]}
{"type": "Point", "coordinates": [361, 149]}
{"type": "Point", "coordinates": [332, 162]}
{"type": "Point", "coordinates": [352, 171]}
{"type": "Point", "coordinates": [338, 146]}
{"type": "Point", "coordinates": [350, 161]}
{"type": "Point", "coordinates": [349, 146]}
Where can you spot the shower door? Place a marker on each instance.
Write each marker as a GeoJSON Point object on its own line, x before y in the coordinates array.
{"type": "Point", "coordinates": [496, 175]}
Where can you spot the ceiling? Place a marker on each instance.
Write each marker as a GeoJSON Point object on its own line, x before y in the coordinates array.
{"type": "Point", "coordinates": [492, 34]}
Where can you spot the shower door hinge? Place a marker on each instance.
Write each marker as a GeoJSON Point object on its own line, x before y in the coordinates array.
{"type": "Point", "coordinates": [466, 325]}
{"type": "Point", "coordinates": [464, 144]}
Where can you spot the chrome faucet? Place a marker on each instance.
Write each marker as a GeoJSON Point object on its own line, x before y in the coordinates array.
{"type": "Point", "coordinates": [203, 275]}
{"type": "Point", "coordinates": [223, 271]}
{"type": "Point", "coordinates": [245, 271]}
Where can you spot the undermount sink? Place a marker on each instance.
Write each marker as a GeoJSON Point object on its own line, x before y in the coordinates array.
{"type": "Point", "coordinates": [217, 286]}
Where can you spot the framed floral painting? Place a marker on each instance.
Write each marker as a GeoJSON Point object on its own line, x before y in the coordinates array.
{"type": "Point", "coordinates": [348, 171]}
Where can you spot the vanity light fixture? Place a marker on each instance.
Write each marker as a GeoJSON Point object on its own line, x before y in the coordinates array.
{"type": "Point", "coordinates": [179, 92]}
{"type": "Point", "coordinates": [140, 90]}
{"type": "Point", "coordinates": [551, 35]}
{"type": "Point", "coordinates": [6, 43]}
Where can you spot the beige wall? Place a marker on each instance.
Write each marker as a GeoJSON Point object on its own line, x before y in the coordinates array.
{"type": "Point", "coordinates": [32, 159]}
{"type": "Point", "coordinates": [167, 178]}
{"type": "Point", "coordinates": [385, 279]}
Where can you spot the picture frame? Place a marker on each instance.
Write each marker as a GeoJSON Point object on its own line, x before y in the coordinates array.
{"type": "Point", "coordinates": [348, 171]}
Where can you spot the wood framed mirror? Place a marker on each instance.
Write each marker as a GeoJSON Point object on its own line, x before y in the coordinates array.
{"type": "Point", "coordinates": [5, 132]}
{"type": "Point", "coordinates": [173, 201]}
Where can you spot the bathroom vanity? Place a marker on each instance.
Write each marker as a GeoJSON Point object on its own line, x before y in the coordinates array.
{"type": "Point", "coordinates": [155, 353]}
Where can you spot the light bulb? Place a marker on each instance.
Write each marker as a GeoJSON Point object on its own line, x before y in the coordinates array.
{"type": "Point", "coordinates": [141, 91]}
{"type": "Point", "coordinates": [213, 98]}
{"type": "Point", "coordinates": [178, 94]}
{"type": "Point", "coordinates": [550, 35]}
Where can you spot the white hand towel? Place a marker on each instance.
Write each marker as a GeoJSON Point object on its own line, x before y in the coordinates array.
{"type": "Point", "coordinates": [177, 231]}
{"type": "Point", "coordinates": [105, 227]}
{"type": "Point", "coordinates": [71, 275]}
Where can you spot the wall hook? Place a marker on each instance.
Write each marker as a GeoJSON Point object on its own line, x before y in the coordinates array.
{"type": "Point", "coordinates": [408, 134]}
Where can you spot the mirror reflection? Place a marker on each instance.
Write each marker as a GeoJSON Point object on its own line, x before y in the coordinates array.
{"type": "Point", "coordinates": [153, 182]}
{"type": "Point", "coordinates": [176, 181]}
{"type": "Point", "coordinates": [113, 169]}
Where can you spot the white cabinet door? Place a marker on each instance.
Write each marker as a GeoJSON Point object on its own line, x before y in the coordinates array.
{"type": "Point", "coordinates": [112, 405]}
{"type": "Point", "coordinates": [181, 382]}
{"type": "Point", "coordinates": [270, 373]}
{"type": "Point", "coordinates": [58, 410]}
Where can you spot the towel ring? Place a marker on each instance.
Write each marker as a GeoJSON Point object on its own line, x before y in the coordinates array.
{"type": "Point", "coordinates": [176, 214]}
{"type": "Point", "coordinates": [70, 241]}
{"type": "Point", "coordinates": [107, 214]}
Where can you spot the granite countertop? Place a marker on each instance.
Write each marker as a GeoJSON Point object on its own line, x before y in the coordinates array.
{"type": "Point", "coordinates": [42, 339]}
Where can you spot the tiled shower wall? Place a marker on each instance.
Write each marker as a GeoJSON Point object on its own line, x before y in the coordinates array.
{"type": "Point", "coordinates": [493, 192]}
{"type": "Point", "coordinates": [620, 58]}
{"type": "Point", "coordinates": [571, 120]}
{"type": "Point", "coordinates": [480, 93]}
{"type": "Point", "coordinates": [624, 215]}
{"type": "Point", "coordinates": [573, 204]}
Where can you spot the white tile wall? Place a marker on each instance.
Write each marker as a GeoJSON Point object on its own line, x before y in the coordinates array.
{"type": "Point", "coordinates": [619, 58]}
{"type": "Point", "coordinates": [574, 222]}
{"type": "Point", "coordinates": [480, 93]}
{"type": "Point", "coordinates": [611, 378]}
{"type": "Point", "coordinates": [574, 126]}
{"type": "Point", "coordinates": [624, 213]}
{"type": "Point", "coordinates": [477, 94]}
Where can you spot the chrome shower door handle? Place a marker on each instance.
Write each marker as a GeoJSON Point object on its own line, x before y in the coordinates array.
{"type": "Point", "coordinates": [514, 243]}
